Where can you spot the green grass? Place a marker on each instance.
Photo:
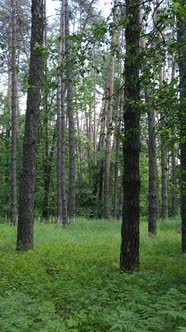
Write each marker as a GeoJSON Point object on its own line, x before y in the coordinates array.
{"type": "Point", "coordinates": [72, 282]}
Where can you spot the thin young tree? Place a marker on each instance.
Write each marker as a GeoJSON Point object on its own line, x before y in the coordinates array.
{"type": "Point", "coordinates": [28, 178]}
{"type": "Point", "coordinates": [129, 256]}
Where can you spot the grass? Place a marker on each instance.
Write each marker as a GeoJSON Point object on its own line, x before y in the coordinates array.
{"type": "Point", "coordinates": [72, 282]}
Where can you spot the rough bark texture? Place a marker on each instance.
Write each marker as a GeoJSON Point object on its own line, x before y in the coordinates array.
{"type": "Point", "coordinates": [182, 116]}
{"type": "Point", "coordinates": [14, 115]}
{"type": "Point", "coordinates": [61, 172]}
{"type": "Point", "coordinates": [183, 194]}
{"type": "Point", "coordinates": [70, 111]}
{"type": "Point", "coordinates": [27, 190]}
{"type": "Point", "coordinates": [164, 185]}
{"type": "Point", "coordinates": [45, 126]}
{"type": "Point", "coordinates": [173, 186]}
{"type": "Point", "coordinates": [153, 185]}
{"type": "Point", "coordinates": [129, 257]}
{"type": "Point", "coordinates": [173, 160]}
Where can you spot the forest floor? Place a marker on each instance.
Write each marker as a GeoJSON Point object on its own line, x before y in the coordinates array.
{"type": "Point", "coordinates": [71, 281]}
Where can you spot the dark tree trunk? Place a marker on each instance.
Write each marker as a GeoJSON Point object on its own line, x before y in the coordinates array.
{"type": "Point", "coordinates": [153, 185]}
{"type": "Point", "coordinates": [129, 258]}
{"type": "Point", "coordinates": [164, 186]}
{"type": "Point", "coordinates": [27, 190]}
{"type": "Point", "coordinates": [182, 117]}
{"type": "Point", "coordinates": [70, 111]}
{"type": "Point", "coordinates": [183, 191]}
{"type": "Point", "coordinates": [173, 160]}
{"type": "Point", "coordinates": [14, 115]}
{"type": "Point", "coordinates": [173, 186]}
{"type": "Point", "coordinates": [45, 126]}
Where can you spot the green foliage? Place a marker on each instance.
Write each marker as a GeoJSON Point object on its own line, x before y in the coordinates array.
{"type": "Point", "coordinates": [72, 282]}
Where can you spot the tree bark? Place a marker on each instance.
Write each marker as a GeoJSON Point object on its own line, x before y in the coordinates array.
{"type": "Point", "coordinates": [173, 186]}
{"type": "Point", "coordinates": [164, 186]}
{"type": "Point", "coordinates": [14, 117]}
{"type": "Point", "coordinates": [108, 114]}
{"type": "Point", "coordinates": [61, 172]}
{"type": "Point", "coordinates": [117, 153]}
{"type": "Point", "coordinates": [129, 257]}
{"type": "Point", "coordinates": [70, 112]}
{"type": "Point", "coordinates": [153, 172]}
{"type": "Point", "coordinates": [181, 26]}
{"type": "Point", "coordinates": [27, 190]}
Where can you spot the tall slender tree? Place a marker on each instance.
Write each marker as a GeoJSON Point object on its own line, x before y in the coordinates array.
{"type": "Point", "coordinates": [27, 189]}
{"type": "Point", "coordinates": [14, 114]}
{"type": "Point", "coordinates": [61, 188]}
{"type": "Point", "coordinates": [153, 172]}
{"type": "Point", "coordinates": [108, 111]}
{"type": "Point", "coordinates": [181, 25]}
{"type": "Point", "coordinates": [129, 257]}
{"type": "Point", "coordinates": [70, 112]}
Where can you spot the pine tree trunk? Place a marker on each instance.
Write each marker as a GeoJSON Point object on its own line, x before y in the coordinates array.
{"type": "Point", "coordinates": [181, 25]}
{"type": "Point", "coordinates": [173, 160]}
{"type": "Point", "coordinates": [116, 164]}
{"type": "Point", "coordinates": [129, 257]}
{"type": "Point", "coordinates": [153, 184]}
{"type": "Point", "coordinates": [173, 186]}
{"type": "Point", "coordinates": [14, 116]}
{"type": "Point", "coordinates": [45, 126]}
{"type": "Point", "coordinates": [27, 189]}
{"type": "Point", "coordinates": [100, 169]}
{"type": "Point", "coordinates": [70, 111]}
{"type": "Point", "coordinates": [108, 113]}
{"type": "Point", "coordinates": [164, 188]}
{"type": "Point", "coordinates": [61, 172]}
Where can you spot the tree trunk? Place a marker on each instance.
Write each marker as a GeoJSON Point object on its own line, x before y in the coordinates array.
{"type": "Point", "coordinates": [173, 159]}
{"type": "Point", "coordinates": [181, 25]}
{"type": "Point", "coordinates": [27, 189]}
{"type": "Point", "coordinates": [116, 164]}
{"type": "Point", "coordinates": [47, 179]}
{"type": "Point", "coordinates": [153, 184]}
{"type": "Point", "coordinates": [164, 188]}
{"type": "Point", "coordinates": [173, 186]}
{"type": "Point", "coordinates": [61, 172]}
{"type": "Point", "coordinates": [129, 257]}
{"type": "Point", "coordinates": [14, 115]}
{"type": "Point", "coordinates": [108, 114]}
{"type": "Point", "coordinates": [70, 111]}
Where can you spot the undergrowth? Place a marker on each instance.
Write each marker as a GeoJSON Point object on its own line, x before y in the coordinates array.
{"type": "Point", "coordinates": [71, 281]}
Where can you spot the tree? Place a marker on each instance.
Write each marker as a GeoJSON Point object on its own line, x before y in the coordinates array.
{"type": "Point", "coordinates": [153, 172]}
{"type": "Point", "coordinates": [69, 87]}
{"type": "Point", "coordinates": [129, 257]}
{"type": "Point", "coordinates": [108, 112]}
{"type": "Point", "coordinates": [181, 26]}
{"type": "Point", "coordinates": [61, 190]}
{"type": "Point", "coordinates": [27, 190]}
{"type": "Point", "coordinates": [14, 113]}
